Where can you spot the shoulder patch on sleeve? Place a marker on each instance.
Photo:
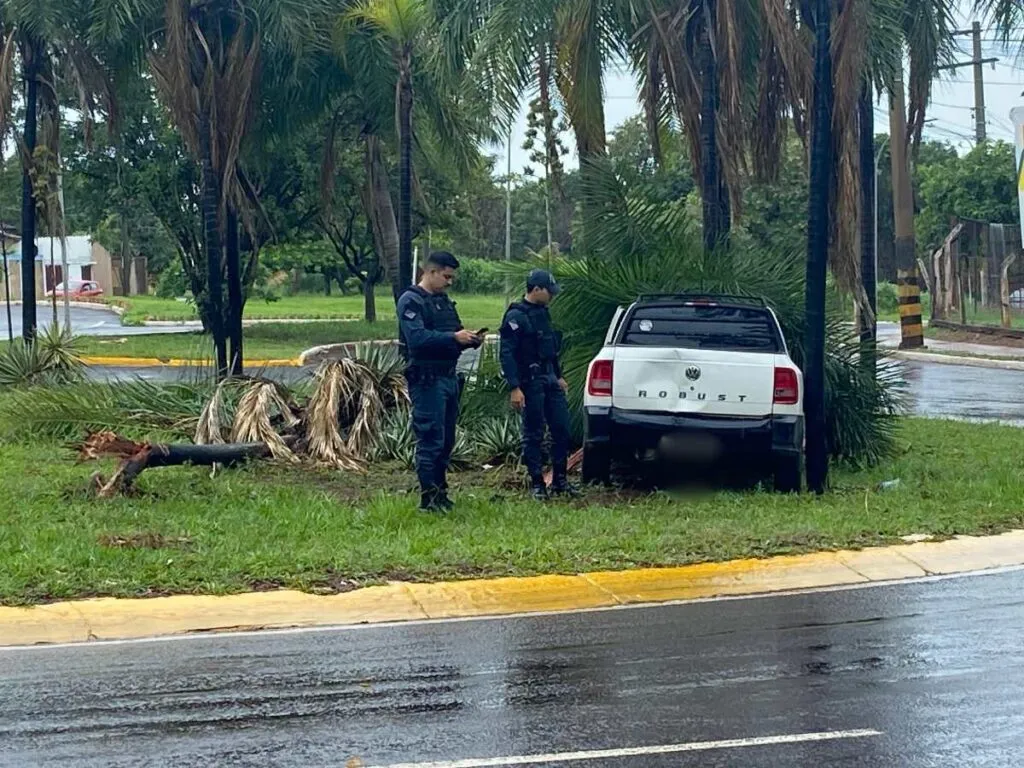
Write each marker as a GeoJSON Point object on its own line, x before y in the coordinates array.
{"type": "Point", "coordinates": [410, 314]}
{"type": "Point", "coordinates": [513, 325]}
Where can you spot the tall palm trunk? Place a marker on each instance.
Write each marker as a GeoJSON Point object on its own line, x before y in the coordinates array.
{"type": "Point", "coordinates": [30, 52]}
{"type": "Point", "coordinates": [214, 251]}
{"type": "Point", "coordinates": [818, 228]}
{"type": "Point", "coordinates": [382, 214]}
{"type": "Point", "coordinates": [868, 200]}
{"type": "Point", "coordinates": [715, 198]}
{"type": "Point", "coordinates": [404, 96]}
{"type": "Point", "coordinates": [235, 302]}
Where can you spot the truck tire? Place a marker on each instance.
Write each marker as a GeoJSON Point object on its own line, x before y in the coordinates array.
{"type": "Point", "coordinates": [788, 474]}
{"type": "Point", "coordinates": [596, 464]}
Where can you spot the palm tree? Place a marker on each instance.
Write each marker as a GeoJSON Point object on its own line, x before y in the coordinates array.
{"type": "Point", "coordinates": [397, 76]}
{"type": "Point", "coordinates": [47, 36]}
{"type": "Point", "coordinates": [206, 61]}
{"type": "Point", "coordinates": [401, 27]}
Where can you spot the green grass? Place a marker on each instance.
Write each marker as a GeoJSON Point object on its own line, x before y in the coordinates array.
{"type": "Point", "coordinates": [262, 342]}
{"type": "Point", "coordinates": [304, 307]}
{"type": "Point", "coordinates": [277, 340]}
{"type": "Point", "coordinates": [309, 529]}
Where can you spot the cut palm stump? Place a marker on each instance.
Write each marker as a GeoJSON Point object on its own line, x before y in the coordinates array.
{"type": "Point", "coordinates": [137, 457]}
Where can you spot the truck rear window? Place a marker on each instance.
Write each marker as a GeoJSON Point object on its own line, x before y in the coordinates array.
{"type": "Point", "coordinates": [731, 329]}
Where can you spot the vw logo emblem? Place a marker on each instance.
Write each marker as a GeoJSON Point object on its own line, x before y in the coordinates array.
{"type": "Point", "coordinates": [693, 373]}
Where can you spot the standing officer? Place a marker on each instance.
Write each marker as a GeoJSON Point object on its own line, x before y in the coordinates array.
{"type": "Point", "coordinates": [432, 339]}
{"type": "Point", "coordinates": [529, 363]}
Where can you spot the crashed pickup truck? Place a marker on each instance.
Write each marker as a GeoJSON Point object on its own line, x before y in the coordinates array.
{"type": "Point", "coordinates": [695, 375]}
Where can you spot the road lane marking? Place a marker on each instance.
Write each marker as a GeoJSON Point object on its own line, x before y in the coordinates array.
{"type": "Point", "coordinates": [664, 749]}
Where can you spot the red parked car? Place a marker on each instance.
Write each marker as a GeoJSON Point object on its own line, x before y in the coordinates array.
{"type": "Point", "coordinates": [78, 289]}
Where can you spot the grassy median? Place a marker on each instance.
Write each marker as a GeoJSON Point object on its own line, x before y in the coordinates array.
{"type": "Point", "coordinates": [270, 527]}
{"type": "Point", "coordinates": [269, 340]}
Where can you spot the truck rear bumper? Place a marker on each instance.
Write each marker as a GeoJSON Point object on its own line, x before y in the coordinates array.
{"type": "Point", "coordinates": [621, 430]}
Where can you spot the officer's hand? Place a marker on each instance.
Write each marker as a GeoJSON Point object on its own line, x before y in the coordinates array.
{"type": "Point", "coordinates": [518, 399]}
{"type": "Point", "coordinates": [564, 385]}
{"type": "Point", "coordinates": [467, 338]}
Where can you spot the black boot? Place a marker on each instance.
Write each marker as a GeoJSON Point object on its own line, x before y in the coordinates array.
{"type": "Point", "coordinates": [443, 502]}
{"type": "Point", "coordinates": [560, 485]}
{"type": "Point", "coordinates": [429, 501]}
{"type": "Point", "coordinates": [538, 489]}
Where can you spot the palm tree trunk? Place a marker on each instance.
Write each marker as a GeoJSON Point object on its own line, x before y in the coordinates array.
{"type": "Point", "coordinates": [214, 252]}
{"type": "Point", "coordinates": [235, 302]}
{"type": "Point", "coordinates": [369, 298]}
{"type": "Point", "coordinates": [382, 214]}
{"type": "Point", "coordinates": [867, 226]}
{"type": "Point", "coordinates": [31, 50]}
{"type": "Point", "coordinates": [818, 228]}
{"type": "Point", "coordinates": [715, 197]}
{"type": "Point", "coordinates": [405, 275]}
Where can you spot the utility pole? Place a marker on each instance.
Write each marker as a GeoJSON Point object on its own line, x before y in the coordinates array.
{"type": "Point", "coordinates": [908, 285]}
{"type": "Point", "coordinates": [819, 216]}
{"type": "Point", "coordinates": [976, 63]}
{"type": "Point", "coordinates": [869, 224]}
{"type": "Point", "coordinates": [979, 85]}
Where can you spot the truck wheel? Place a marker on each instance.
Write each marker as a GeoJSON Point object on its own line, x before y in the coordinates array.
{"type": "Point", "coordinates": [788, 474]}
{"type": "Point", "coordinates": [596, 464]}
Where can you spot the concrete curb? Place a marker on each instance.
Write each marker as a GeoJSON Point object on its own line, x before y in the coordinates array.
{"type": "Point", "coordinates": [974, 362]}
{"type": "Point", "coordinates": [114, 619]}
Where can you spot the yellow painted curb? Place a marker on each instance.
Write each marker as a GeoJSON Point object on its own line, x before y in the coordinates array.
{"type": "Point", "coordinates": [156, 362]}
{"type": "Point", "coordinates": [113, 619]}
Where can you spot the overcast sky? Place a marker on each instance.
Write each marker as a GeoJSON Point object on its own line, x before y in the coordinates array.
{"type": "Point", "coordinates": [952, 106]}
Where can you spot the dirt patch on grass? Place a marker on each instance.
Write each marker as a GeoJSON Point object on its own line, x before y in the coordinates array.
{"type": "Point", "coordinates": [946, 334]}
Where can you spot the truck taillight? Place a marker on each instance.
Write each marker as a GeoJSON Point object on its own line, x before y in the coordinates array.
{"type": "Point", "coordinates": [600, 381]}
{"type": "Point", "coordinates": [787, 387]}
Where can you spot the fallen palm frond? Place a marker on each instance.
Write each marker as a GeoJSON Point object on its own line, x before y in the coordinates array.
{"type": "Point", "coordinates": [210, 430]}
{"type": "Point", "coordinates": [324, 430]}
{"type": "Point", "coordinates": [262, 405]}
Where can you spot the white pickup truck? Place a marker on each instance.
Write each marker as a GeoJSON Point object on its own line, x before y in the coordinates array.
{"type": "Point", "coordinates": [709, 373]}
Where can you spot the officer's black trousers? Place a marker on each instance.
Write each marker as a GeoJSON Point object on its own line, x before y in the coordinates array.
{"type": "Point", "coordinates": [435, 409]}
{"type": "Point", "coordinates": [545, 402]}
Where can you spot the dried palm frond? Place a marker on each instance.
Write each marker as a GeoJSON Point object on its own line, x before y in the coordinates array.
{"type": "Point", "coordinates": [255, 415]}
{"type": "Point", "coordinates": [335, 388]}
{"type": "Point", "coordinates": [7, 68]}
{"type": "Point", "coordinates": [210, 429]}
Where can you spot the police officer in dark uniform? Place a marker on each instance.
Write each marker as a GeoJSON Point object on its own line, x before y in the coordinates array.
{"type": "Point", "coordinates": [432, 339]}
{"type": "Point", "coordinates": [529, 362]}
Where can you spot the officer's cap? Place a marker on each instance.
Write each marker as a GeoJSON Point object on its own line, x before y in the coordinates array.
{"type": "Point", "coordinates": [443, 259]}
{"type": "Point", "coordinates": [541, 278]}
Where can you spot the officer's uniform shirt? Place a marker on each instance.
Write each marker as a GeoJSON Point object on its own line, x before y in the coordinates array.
{"type": "Point", "coordinates": [529, 344]}
{"type": "Point", "coordinates": [427, 323]}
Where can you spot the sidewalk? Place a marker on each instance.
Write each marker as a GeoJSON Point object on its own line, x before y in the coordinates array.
{"type": "Point", "coordinates": [113, 619]}
{"type": "Point", "coordinates": [889, 337]}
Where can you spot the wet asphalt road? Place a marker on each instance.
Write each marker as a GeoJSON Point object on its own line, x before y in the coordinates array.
{"type": "Point", "coordinates": [85, 322]}
{"type": "Point", "coordinates": [936, 667]}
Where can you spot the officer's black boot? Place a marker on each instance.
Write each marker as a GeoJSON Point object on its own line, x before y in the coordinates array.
{"type": "Point", "coordinates": [429, 501]}
{"type": "Point", "coordinates": [442, 501]}
{"type": "Point", "coordinates": [560, 485]}
{"type": "Point", "coordinates": [538, 489]}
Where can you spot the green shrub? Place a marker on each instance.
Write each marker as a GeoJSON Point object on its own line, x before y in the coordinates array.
{"type": "Point", "coordinates": [479, 276]}
{"type": "Point", "coordinates": [53, 359]}
{"type": "Point", "coordinates": [888, 299]}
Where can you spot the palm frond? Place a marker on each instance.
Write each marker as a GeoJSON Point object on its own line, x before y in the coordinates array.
{"type": "Point", "coordinates": [260, 406]}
